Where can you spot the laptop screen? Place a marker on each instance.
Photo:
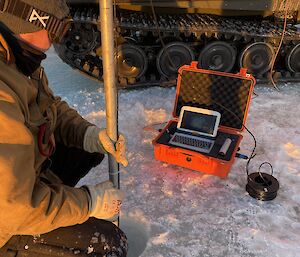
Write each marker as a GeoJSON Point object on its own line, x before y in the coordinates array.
{"type": "Point", "coordinates": [202, 121]}
{"type": "Point", "coordinates": [199, 122]}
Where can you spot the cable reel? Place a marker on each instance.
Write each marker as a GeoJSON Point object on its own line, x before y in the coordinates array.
{"type": "Point", "coordinates": [262, 186]}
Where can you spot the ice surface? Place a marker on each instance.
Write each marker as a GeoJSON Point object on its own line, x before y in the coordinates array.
{"type": "Point", "coordinates": [187, 213]}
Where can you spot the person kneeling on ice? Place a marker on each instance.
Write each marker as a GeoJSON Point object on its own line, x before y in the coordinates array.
{"type": "Point", "coordinates": [46, 148]}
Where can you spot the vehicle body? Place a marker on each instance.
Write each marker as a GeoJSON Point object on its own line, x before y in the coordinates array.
{"type": "Point", "coordinates": [154, 38]}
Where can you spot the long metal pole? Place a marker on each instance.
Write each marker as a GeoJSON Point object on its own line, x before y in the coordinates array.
{"type": "Point", "coordinates": [109, 76]}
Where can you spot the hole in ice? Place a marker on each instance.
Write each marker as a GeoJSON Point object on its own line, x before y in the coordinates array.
{"type": "Point", "coordinates": [137, 235]}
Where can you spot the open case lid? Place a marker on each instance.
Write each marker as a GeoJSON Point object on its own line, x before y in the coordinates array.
{"type": "Point", "coordinates": [227, 93]}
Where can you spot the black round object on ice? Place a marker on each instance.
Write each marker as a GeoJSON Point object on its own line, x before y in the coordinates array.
{"type": "Point", "coordinates": [218, 56]}
{"type": "Point", "coordinates": [262, 186]}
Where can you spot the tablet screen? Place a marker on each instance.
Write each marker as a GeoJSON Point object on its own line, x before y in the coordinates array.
{"type": "Point", "coordinates": [199, 122]}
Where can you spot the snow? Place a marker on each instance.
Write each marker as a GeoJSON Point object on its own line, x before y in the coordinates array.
{"type": "Point", "coordinates": [179, 212]}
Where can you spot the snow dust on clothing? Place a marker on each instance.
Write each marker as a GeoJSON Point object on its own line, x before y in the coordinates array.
{"type": "Point", "coordinates": [187, 213]}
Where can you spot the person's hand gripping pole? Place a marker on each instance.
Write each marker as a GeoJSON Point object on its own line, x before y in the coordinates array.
{"type": "Point", "coordinates": [97, 140]}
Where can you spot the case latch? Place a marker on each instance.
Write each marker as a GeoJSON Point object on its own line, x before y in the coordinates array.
{"type": "Point", "coordinates": [194, 64]}
{"type": "Point", "coordinates": [243, 72]}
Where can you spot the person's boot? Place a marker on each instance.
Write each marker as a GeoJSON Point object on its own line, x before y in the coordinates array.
{"type": "Point", "coordinates": [94, 238]}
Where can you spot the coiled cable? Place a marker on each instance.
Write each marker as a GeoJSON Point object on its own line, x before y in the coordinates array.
{"type": "Point", "coordinates": [262, 186]}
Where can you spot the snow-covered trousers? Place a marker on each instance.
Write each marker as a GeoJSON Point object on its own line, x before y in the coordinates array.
{"type": "Point", "coordinates": [94, 238]}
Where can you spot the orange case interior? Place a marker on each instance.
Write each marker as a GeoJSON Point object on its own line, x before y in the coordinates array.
{"type": "Point", "coordinates": [229, 94]}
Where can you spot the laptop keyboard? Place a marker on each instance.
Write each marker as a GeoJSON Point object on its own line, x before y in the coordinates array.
{"type": "Point", "coordinates": [192, 142]}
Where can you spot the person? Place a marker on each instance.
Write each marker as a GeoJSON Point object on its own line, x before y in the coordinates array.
{"type": "Point", "coordinates": [46, 147]}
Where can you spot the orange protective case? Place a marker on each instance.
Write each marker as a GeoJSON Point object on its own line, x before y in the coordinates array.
{"type": "Point", "coordinates": [230, 94]}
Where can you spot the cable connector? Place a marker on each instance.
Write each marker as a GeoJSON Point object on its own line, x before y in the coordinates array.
{"type": "Point", "coordinates": [241, 156]}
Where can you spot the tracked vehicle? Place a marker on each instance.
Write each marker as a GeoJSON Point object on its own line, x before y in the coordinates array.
{"type": "Point", "coordinates": [155, 37]}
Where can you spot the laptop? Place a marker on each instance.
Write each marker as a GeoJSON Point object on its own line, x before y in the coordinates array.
{"type": "Point", "coordinates": [196, 129]}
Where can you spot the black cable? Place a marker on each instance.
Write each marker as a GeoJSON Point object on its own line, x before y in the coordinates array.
{"type": "Point", "coordinates": [160, 37]}
{"type": "Point", "coordinates": [260, 186]}
{"type": "Point", "coordinates": [117, 72]}
{"type": "Point", "coordinates": [117, 100]}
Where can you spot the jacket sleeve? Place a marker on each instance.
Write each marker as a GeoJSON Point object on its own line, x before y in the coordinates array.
{"type": "Point", "coordinates": [27, 204]}
{"type": "Point", "coordinates": [70, 127]}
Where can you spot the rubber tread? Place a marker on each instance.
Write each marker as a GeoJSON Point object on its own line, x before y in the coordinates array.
{"type": "Point", "coordinates": [200, 26]}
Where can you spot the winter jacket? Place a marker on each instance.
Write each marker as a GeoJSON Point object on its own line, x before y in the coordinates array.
{"type": "Point", "coordinates": [32, 200]}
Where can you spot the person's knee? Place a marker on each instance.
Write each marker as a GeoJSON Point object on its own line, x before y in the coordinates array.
{"type": "Point", "coordinates": [93, 238]}
{"type": "Point", "coordinates": [117, 243]}
{"type": "Point", "coordinates": [108, 239]}
{"type": "Point", "coordinates": [99, 237]}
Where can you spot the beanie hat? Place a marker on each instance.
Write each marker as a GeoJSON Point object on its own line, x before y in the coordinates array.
{"type": "Point", "coordinates": [44, 8]}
